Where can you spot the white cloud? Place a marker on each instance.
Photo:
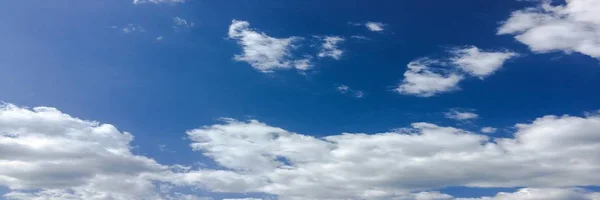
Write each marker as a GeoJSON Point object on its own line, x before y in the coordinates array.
{"type": "Point", "coordinates": [426, 77]}
{"type": "Point", "coordinates": [159, 38]}
{"type": "Point", "coordinates": [477, 62]}
{"type": "Point", "coordinates": [457, 114]}
{"type": "Point", "coordinates": [420, 79]}
{"type": "Point", "coordinates": [344, 89]}
{"type": "Point", "coordinates": [543, 194]}
{"type": "Point", "coordinates": [488, 130]}
{"type": "Point", "coordinates": [330, 47]}
{"type": "Point", "coordinates": [263, 52]}
{"type": "Point", "coordinates": [182, 23]}
{"type": "Point", "coordinates": [130, 28]}
{"type": "Point", "coordinates": [360, 37]}
{"type": "Point", "coordinates": [47, 154]}
{"type": "Point", "coordinates": [158, 1]}
{"type": "Point", "coordinates": [244, 199]}
{"type": "Point", "coordinates": [574, 27]}
{"type": "Point", "coordinates": [375, 26]}
{"type": "Point", "coordinates": [550, 152]}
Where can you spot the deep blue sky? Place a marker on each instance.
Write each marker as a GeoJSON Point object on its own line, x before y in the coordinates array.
{"type": "Point", "coordinates": [65, 54]}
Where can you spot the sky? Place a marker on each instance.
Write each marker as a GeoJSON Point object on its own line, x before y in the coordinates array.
{"type": "Point", "coordinates": [300, 100]}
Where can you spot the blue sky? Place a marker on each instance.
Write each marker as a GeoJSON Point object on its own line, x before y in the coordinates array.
{"type": "Point", "coordinates": [206, 84]}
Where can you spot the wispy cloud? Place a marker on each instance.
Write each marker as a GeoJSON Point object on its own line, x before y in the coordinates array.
{"type": "Point", "coordinates": [344, 89]}
{"type": "Point", "coordinates": [182, 23]}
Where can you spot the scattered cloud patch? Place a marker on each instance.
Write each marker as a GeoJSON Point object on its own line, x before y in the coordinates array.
{"type": "Point", "coordinates": [330, 47]}
{"type": "Point", "coordinates": [375, 26]}
{"type": "Point", "coordinates": [574, 27]}
{"type": "Point", "coordinates": [344, 89]}
{"type": "Point", "coordinates": [130, 28]}
{"type": "Point", "coordinates": [488, 130]}
{"type": "Point", "coordinates": [182, 23]}
{"type": "Point", "coordinates": [457, 114]}
{"type": "Point", "coordinates": [426, 77]}
{"type": "Point", "coordinates": [160, 38]}
{"type": "Point", "coordinates": [263, 52]}
{"type": "Point", "coordinates": [158, 1]}
{"type": "Point", "coordinates": [479, 63]}
{"type": "Point", "coordinates": [421, 79]}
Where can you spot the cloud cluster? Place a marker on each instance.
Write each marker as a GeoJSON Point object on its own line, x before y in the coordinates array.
{"type": "Point", "coordinates": [426, 77]}
{"type": "Point", "coordinates": [330, 48]}
{"type": "Point", "coordinates": [50, 155]}
{"type": "Point", "coordinates": [263, 52]}
{"type": "Point", "coordinates": [574, 27]}
{"type": "Point", "coordinates": [550, 152]}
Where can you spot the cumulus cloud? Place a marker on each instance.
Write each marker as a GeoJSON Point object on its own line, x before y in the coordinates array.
{"type": "Point", "coordinates": [488, 130]}
{"type": "Point", "coordinates": [158, 1]}
{"type": "Point", "coordinates": [330, 48]}
{"type": "Point", "coordinates": [574, 27]}
{"type": "Point", "coordinates": [344, 89]}
{"type": "Point", "coordinates": [47, 154]}
{"type": "Point", "coordinates": [375, 26]}
{"type": "Point", "coordinates": [550, 152]}
{"type": "Point", "coordinates": [263, 52]}
{"type": "Point", "coordinates": [421, 79]}
{"type": "Point", "coordinates": [479, 63]}
{"type": "Point", "coordinates": [461, 115]}
{"type": "Point", "coordinates": [182, 23]}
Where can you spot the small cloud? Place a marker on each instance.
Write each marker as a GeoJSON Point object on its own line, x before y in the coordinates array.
{"type": "Point", "coordinates": [130, 28]}
{"type": "Point", "coordinates": [360, 37]}
{"type": "Point", "coordinates": [344, 89]}
{"type": "Point", "coordinates": [458, 115]}
{"type": "Point", "coordinates": [330, 47]}
{"type": "Point", "coordinates": [182, 23]}
{"type": "Point", "coordinates": [479, 63]}
{"type": "Point", "coordinates": [423, 80]}
{"type": "Point", "coordinates": [158, 1]}
{"type": "Point", "coordinates": [164, 148]}
{"type": "Point", "coordinates": [375, 26]}
{"type": "Point", "coordinates": [159, 38]}
{"type": "Point", "coordinates": [263, 52]}
{"type": "Point", "coordinates": [488, 130]}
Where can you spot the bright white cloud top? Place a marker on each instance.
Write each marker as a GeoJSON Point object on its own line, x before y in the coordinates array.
{"type": "Point", "coordinates": [574, 27]}
{"type": "Point", "coordinates": [375, 26]}
{"type": "Point", "coordinates": [158, 1]}
{"type": "Point", "coordinates": [426, 77]}
{"type": "Point", "coordinates": [51, 155]}
{"type": "Point", "coordinates": [421, 79]}
{"type": "Point", "coordinates": [479, 63]}
{"type": "Point", "coordinates": [263, 52]}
